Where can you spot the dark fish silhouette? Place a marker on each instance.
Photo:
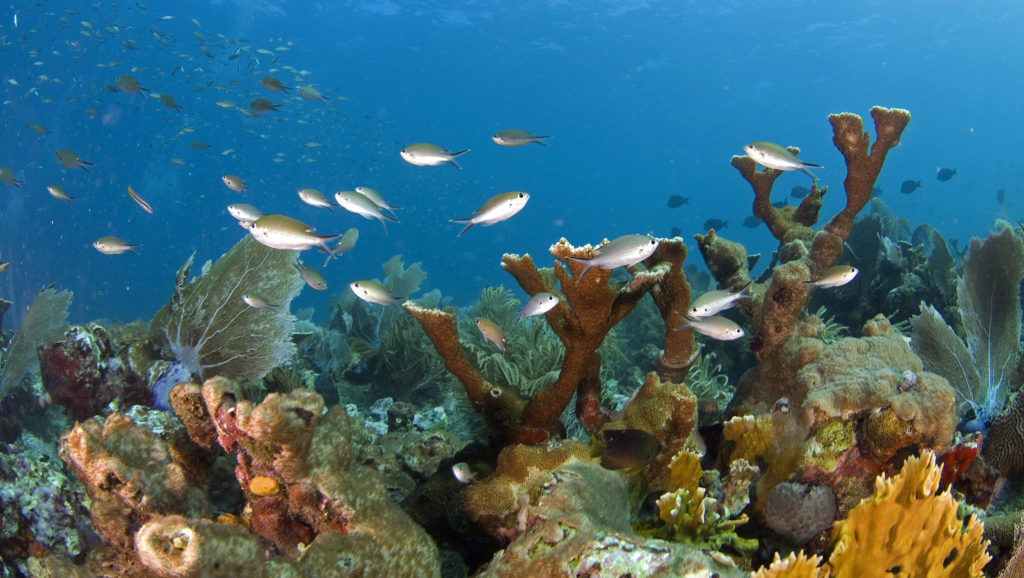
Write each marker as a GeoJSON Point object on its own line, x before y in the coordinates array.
{"type": "Point", "coordinates": [628, 448]}
{"type": "Point", "coordinates": [751, 222]}
{"type": "Point", "coordinates": [676, 201]}
{"type": "Point", "coordinates": [946, 174]}
{"type": "Point", "coordinates": [876, 192]}
{"type": "Point", "coordinates": [716, 224]}
{"type": "Point", "coordinates": [909, 187]}
{"type": "Point", "coordinates": [1001, 197]}
{"type": "Point", "coordinates": [799, 192]}
{"type": "Point", "coordinates": [780, 204]}
{"type": "Point", "coordinates": [675, 232]}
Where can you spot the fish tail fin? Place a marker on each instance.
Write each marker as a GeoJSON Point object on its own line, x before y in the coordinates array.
{"type": "Point", "coordinates": [815, 165]}
{"type": "Point", "coordinates": [804, 169]}
{"type": "Point", "coordinates": [453, 155]}
{"type": "Point", "coordinates": [132, 248]}
{"type": "Point", "coordinates": [468, 227]}
{"type": "Point", "coordinates": [390, 218]}
{"type": "Point", "coordinates": [538, 139]}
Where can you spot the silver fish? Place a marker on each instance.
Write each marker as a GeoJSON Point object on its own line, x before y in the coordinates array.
{"type": "Point", "coordinates": [714, 302]}
{"type": "Point", "coordinates": [312, 277]}
{"type": "Point", "coordinates": [281, 232]}
{"type": "Point", "coordinates": [777, 157]}
{"type": "Point", "coordinates": [539, 304]}
{"type": "Point", "coordinates": [463, 473]}
{"type": "Point", "coordinates": [315, 198]}
{"type": "Point", "coordinates": [625, 251]}
{"type": "Point", "coordinates": [497, 209]}
{"type": "Point", "coordinates": [373, 292]}
{"type": "Point", "coordinates": [364, 207]}
{"type": "Point", "coordinates": [428, 155]}
{"type": "Point", "coordinates": [377, 199]}
{"type": "Point", "coordinates": [514, 137]}
{"type": "Point", "coordinates": [113, 246]}
{"type": "Point", "coordinates": [715, 327]}
{"type": "Point", "coordinates": [835, 276]}
{"type": "Point", "coordinates": [256, 302]}
{"type": "Point", "coordinates": [244, 212]}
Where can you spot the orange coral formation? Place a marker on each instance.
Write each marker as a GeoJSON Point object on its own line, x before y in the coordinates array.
{"type": "Point", "coordinates": [264, 486]}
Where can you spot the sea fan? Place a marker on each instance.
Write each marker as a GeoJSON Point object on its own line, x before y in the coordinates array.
{"type": "Point", "coordinates": [210, 330]}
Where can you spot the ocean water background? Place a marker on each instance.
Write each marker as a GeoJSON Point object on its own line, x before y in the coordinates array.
{"type": "Point", "coordinates": [643, 100]}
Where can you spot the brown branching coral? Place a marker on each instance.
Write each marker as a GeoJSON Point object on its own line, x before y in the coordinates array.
{"type": "Point", "coordinates": [588, 308]}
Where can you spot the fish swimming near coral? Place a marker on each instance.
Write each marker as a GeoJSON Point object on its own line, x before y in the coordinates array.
{"type": "Point", "coordinates": [311, 276]}
{"type": "Point", "coordinates": [777, 157]}
{"type": "Point", "coordinates": [835, 277]}
{"type": "Point", "coordinates": [539, 304]}
{"type": "Point", "coordinates": [909, 186]}
{"type": "Point", "coordinates": [499, 208]}
{"type": "Point", "coordinates": [625, 251]}
{"type": "Point", "coordinates": [256, 302]}
{"type": "Point", "coordinates": [463, 473]}
{"type": "Point", "coordinates": [752, 222]}
{"type": "Point", "coordinates": [799, 192]}
{"type": "Point", "coordinates": [373, 292]}
{"type": "Point", "coordinates": [714, 302]}
{"type": "Point", "coordinates": [491, 332]}
{"type": "Point", "coordinates": [945, 174]}
{"type": "Point", "coordinates": [281, 232]}
{"type": "Point", "coordinates": [628, 449]}
{"type": "Point", "coordinates": [715, 327]}
{"type": "Point", "coordinates": [716, 224]}
{"type": "Point", "coordinates": [363, 206]}
{"type": "Point", "coordinates": [676, 201]}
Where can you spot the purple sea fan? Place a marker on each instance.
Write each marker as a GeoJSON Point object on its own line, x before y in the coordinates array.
{"type": "Point", "coordinates": [210, 330]}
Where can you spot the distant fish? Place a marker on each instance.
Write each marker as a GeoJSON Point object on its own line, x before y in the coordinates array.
{"type": "Point", "coordinates": [169, 102]}
{"type": "Point", "coordinates": [780, 204]}
{"type": "Point", "coordinates": [876, 192]}
{"type": "Point", "coordinates": [515, 137]}
{"type": "Point", "coordinates": [129, 85]}
{"type": "Point", "coordinates": [751, 222]}
{"type": "Point", "coordinates": [799, 192]}
{"type": "Point", "coordinates": [235, 183]}
{"type": "Point", "coordinates": [57, 192]}
{"type": "Point", "coordinates": [139, 200]}
{"type": "Point", "coordinates": [676, 201]}
{"type": "Point", "coordinates": [946, 174]}
{"type": "Point", "coordinates": [260, 106]}
{"type": "Point", "coordinates": [377, 199]}
{"type": "Point", "coordinates": [7, 178]}
{"type": "Point", "coordinates": [1001, 197]}
{"type": "Point", "coordinates": [428, 155]}
{"type": "Point", "coordinates": [716, 224]}
{"type": "Point", "coordinates": [539, 304]}
{"type": "Point", "coordinates": [363, 206]}
{"type": "Point", "coordinates": [628, 449]}
{"type": "Point", "coordinates": [113, 246]}
{"type": "Point", "coordinates": [777, 157]}
{"type": "Point", "coordinates": [835, 277]}
{"type": "Point", "coordinates": [315, 198]}
{"type": "Point", "coordinates": [311, 276]}
{"type": "Point", "coordinates": [909, 187]}
{"type": "Point", "coordinates": [69, 160]}
{"type": "Point", "coordinates": [272, 84]}
{"type": "Point", "coordinates": [310, 93]}
{"type": "Point", "coordinates": [675, 232]}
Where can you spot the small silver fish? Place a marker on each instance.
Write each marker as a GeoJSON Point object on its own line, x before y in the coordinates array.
{"type": "Point", "coordinates": [109, 245]}
{"type": "Point", "coordinates": [312, 277]}
{"type": "Point", "coordinates": [715, 327]}
{"type": "Point", "coordinates": [777, 157]}
{"type": "Point", "coordinates": [281, 232]}
{"type": "Point", "coordinates": [315, 198]}
{"type": "Point", "coordinates": [714, 302]}
{"type": "Point", "coordinates": [373, 292]}
{"type": "Point", "coordinates": [377, 199]}
{"type": "Point", "coordinates": [497, 209]}
{"type": "Point", "coordinates": [235, 183]}
{"type": "Point", "coordinates": [835, 277]}
{"type": "Point", "coordinates": [57, 192]}
{"type": "Point", "coordinates": [428, 155]}
{"type": "Point", "coordinates": [625, 251]}
{"type": "Point", "coordinates": [256, 302]}
{"type": "Point", "coordinates": [491, 332]}
{"type": "Point", "coordinates": [244, 212]}
{"type": "Point", "coordinates": [463, 473]}
{"type": "Point", "coordinates": [364, 207]}
{"type": "Point", "coordinates": [345, 244]}
{"type": "Point", "coordinates": [514, 137]}
{"type": "Point", "coordinates": [539, 304]}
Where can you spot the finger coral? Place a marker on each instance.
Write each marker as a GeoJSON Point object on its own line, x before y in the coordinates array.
{"type": "Point", "coordinates": [210, 330]}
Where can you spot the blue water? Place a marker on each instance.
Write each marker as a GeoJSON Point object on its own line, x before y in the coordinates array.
{"type": "Point", "coordinates": [643, 100]}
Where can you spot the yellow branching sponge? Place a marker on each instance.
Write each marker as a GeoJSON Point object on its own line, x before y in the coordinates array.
{"type": "Point", "coordinates": [796, 565]}
{"type": "Point", "coordinates": [904, 529]}
{"type": "Point", "coordinates": [906, 525]}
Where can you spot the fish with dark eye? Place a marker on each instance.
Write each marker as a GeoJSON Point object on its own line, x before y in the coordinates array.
{"type": "Point", "coordinates": [281, 232]}
{"type": "Point", "coordinates": [259, 106]}
{"type": "Point", "coordinates": [716, 224]}
{"type": "Point", "coordinates": [427, 155]}
{"type": "Point", "coordinates": [315, 198]}
{"type": "Point", "coordinates": [539, 304]}
{"type": "Point", "coordinates": [498, 208]}
{"type": "Point", "coordinates": [777, 157]}
{"type": "Point", "coordinates": [491, 332]}
{"type": "Point", "coordinates": [752, 222]}
{"type": "Point", "coordinates": [628, 449]}
{"type": "Point", "coordinates": [7, 178]}
{"type": "Point", "coordinates": [514, 137]}
{"type": "Point", "coordinates": [69, 160]}
{"type": "Point", "coordinates": [715, 327]}
{"type": "Point", "coordinates": [676, 201]}
{"type": "Point", "coordinates": [235, 183]}
{"type": "Point", "coordinates": [714, 302]}
{"type": "Point", "coordinates": [139, 200]}
{"type": "Point", "coordinates": [373, 292]}
{"type": "Point", "coordinates": [361, 205]}
{"type": "Point", "coordinates": [377, 199]}
{"type": "Point", "coordinates": [799, 192]}
{"type": "Point", "coordinates": [909, 186]}
{"type": "Point", "coordinates": [945, 174]}
{"type": "Point", "coordinates": [625, 251]}
{"type": "Point", "coordinates": [244, 212]}
{"type": "Point", "coordinates": [129, 85]}
{"type": "Point", "coordinates": [256, 302]}
{"type": "Point", "coordinates": [57, 192]}
{"type": "Point", "coordinates": [110, 245]}
{"type": "Point", "coordinates": [463, 473]}
{"type": "Point", "coordinates": [311, 276]}
{"type": "Point", "coordinates": [835, 277]}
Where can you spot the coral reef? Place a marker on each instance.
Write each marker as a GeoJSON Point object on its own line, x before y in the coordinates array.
{"type": "Point", "coordinates": [590, 307]}
{"type": "Point", "coordinates": [209, 329]}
